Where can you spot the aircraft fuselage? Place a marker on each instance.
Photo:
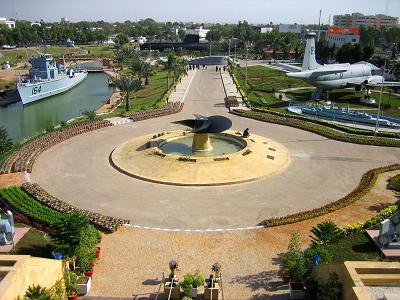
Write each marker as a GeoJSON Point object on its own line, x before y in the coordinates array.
{"type": "Point", "coordinates": [334, 80]}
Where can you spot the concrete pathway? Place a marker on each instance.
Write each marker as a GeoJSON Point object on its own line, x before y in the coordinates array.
{"type": "Point", "coordinates": [230, 89]}
{"type": "Point", "coordinates": [182, 88]}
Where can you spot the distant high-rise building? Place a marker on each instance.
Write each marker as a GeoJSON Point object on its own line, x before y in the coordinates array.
{"type": "Point", "coordinates": [358, 19]}
{"type": "Point", "coordinates": [64, 20]}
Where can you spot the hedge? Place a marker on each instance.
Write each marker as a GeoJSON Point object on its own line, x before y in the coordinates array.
{"type": "Point", "coordinates": [318, 129]}
{"type": "Point", "coordinates": [367, 182]}
{"type": "Point", "coordinates": [20, 201]}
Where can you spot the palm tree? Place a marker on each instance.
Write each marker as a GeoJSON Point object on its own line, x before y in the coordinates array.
{"type": "Point", "coordinates": [146, 71]}
{"type": "Point", "coordinates": [325, 232]}
{"type": "Point", "coordinates": [141, 68]}
{"type": "Point", "coordinates": [180, 67]}
{"type": "Point", "coordinates": [169, 64]}
{"type": "Point", "coordinates": [120, 57]}
{"type": "Point", "coordinates": [128, 84]}
{"type": "Point", "coordinates": [136, 67]}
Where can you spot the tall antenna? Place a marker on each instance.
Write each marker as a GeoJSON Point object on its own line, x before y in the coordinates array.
{"type": "Point", "coordinates": [319, 24]}
{"type": "Point", "coordinates": [329, 21]}
{"type": "Point", "coordinates": [387, 7]}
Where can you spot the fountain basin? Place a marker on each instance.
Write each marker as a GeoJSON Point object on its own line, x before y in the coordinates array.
{"type": "Point", "coordinates": [220, 145]}
{"type": "Point", "coordinates": [165, 158]}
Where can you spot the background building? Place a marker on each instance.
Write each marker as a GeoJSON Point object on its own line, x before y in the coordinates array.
{"type": "Point", "coordinates": [358, 19]}
{"type": "Point", "coordinates": [9, 23]}
{"type": "Point", "coordinates": [200, 31]}
{"type": "Point", "coordinates": [294, 28]}
{"type": "Point", "coordinates": [337, 36]}
{"type": "Point", "coordinates": [266, 29]}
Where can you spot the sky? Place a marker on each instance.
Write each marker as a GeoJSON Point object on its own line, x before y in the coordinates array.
{"type": "Point", "coordinates": [214, 11]}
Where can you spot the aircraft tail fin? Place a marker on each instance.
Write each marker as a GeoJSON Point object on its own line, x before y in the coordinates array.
{"type": "Point", "coordinates": [309, 61]}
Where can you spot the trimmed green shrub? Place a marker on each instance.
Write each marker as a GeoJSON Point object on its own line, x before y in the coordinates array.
{"type": "Point", "coordinates": [394, 183]}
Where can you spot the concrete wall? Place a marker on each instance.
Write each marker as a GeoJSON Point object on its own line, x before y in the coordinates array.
{"type": "Point", "coordinates": [25, 272]}
{"type": "Point", "coordinates": [321, 274]}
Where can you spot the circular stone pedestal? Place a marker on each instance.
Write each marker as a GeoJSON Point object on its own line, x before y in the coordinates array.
{"type": "Point", "coordinates": [142, 158]}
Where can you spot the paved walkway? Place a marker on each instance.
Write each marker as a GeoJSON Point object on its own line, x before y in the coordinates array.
{"type": "Point", "coordinates": [182, 88]}
{"type": "Point", "coordinates": [133, 259]}
{"type": "Point", "coordinates": [78, 171]}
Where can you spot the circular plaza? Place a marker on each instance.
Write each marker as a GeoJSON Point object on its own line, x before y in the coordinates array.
{"type": "Point", "coordinates": [308, 171]}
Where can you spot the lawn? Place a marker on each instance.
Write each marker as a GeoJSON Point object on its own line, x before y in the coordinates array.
{"type": "Point", "coordinates": [23, 54]}
{"type": "Point", "coordinates": [98, 49]}
{"type": "Point", "coordinates": [344, 97]}
{"type": "Point", "coordinates": [148, 96]}
{"type": "Point", "coordinates": [263, 82]}
{"type": "Point", "coordinates": [357, 246]}
{"type": "Point", "coordinates": [35, 243]}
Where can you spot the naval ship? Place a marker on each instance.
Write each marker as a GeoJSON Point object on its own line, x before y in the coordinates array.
{"type": "Point", "coordinates": [47, 79]}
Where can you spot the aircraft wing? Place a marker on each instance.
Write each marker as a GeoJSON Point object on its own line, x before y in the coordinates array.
{"type": "Point", "coordinates": [317, 73]}
{"type": "Point", "coordinates": [355, 82]}
{"type": "Point", "coordinates": [287, 67]}
{"type": "Point", "coordinates": [385, 84]}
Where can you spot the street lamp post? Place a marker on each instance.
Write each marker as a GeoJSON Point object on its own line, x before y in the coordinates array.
{"type": "Point", "coordinates": [235, 49]}
{"type": "Point", "coordinates": [380, 100]}
{"type": "Point", "coordinates": [247, 51]}
{"type": "Point", "coordinates": [229, 48]}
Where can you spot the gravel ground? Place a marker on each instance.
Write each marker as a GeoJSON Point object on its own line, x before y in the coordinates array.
{"type": "Point", "coordinates": [133, 259]}
{"type": "Point", "coordinates": [11, 179]}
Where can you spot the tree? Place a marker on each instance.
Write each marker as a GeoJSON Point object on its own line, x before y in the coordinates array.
{"type": "Point", "coordinates": [169, 64]}
{"type": "Point", "coordinates": [67, 234]}
{"type": "Point", "coordinates": [127, 85]}
{"type": "Point", "coordinates": [121, 39]}
{"type": "Point", "coordinates": [180, 67]}
{"type": "Point", "coordinates": [5, 142]}
{"type": "Point", "coordinates": [294, 259]}
{"type": "Point", "coordinates": [325, 232]}
{"type": "Point", "coordinates": [146, 71]}
{"type": "Point", "coordinates": [120, 57]}
{"type": "Point", "coordinates": [350, 53]}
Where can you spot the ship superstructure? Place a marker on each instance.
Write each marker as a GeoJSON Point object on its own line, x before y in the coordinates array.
{"type": "Point", "coordinates": [46, 79]}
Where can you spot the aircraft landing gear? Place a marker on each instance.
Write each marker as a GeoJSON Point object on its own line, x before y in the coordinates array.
{"type": "Point", "coordinates": [367, 97]}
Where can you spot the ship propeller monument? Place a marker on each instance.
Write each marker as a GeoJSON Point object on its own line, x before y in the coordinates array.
{"type": "Point", "coordinates": [206, 154]}
{"type": "Point", "coordinates": [201, 129]}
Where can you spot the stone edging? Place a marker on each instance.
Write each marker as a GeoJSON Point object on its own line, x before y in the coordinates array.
{"type": "Point", "coordinates": [105, 223]}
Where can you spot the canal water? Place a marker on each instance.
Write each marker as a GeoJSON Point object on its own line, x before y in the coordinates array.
{"type": "Point", "coordinates": [24, 121]}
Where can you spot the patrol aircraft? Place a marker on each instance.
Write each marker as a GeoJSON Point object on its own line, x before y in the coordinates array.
{"type": "Point", "coordinates": [362, 75]}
